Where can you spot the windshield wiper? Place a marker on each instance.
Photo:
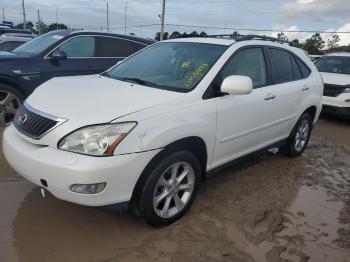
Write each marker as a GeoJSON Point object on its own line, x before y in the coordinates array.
{"type": "Point", "coordinates": [136, 80]}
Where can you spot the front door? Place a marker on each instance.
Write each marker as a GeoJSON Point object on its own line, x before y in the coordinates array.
{"type": "Point", "coordinates": [247, 122]}
{"type": "Point", "coordinates": [81, 59]}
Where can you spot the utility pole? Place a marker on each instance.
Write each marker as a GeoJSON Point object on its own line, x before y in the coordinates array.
{"type": "Point", "coordinates": [126, 6]}
{"type": "Point", "coordinates": [39, 23]}
{"type": "Point", "coordinates": [24, 16]}
{"type": "Point", "coordinates": [3, 14]}
{"type": "Point", "coordinates": [107, 18]}
{"type": "Point", "coordinates": [56, 20]}
{"type": "Point", "coordinates": [162, 21]}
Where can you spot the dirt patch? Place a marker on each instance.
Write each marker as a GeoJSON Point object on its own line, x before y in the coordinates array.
{"type": "Point", "coordinates": [268, 208]}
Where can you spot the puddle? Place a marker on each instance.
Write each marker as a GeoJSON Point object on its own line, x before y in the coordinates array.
{"type": "Point", "coordinates": [313, 226]}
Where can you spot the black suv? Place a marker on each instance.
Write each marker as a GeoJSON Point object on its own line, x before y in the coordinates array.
{"type": "Point", "coordinates": [58, 53]}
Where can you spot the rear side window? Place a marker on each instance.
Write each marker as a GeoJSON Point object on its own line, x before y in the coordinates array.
{"type": "Point", "coordinates": [296, 71]}
{"type": "Point", "coordinates": [248, 62]}
{"type": "Point", "coordinates": [305, 71]}
{"type": "Point", "coordinates": [281, 66]}
{"type": "Point", "coordinates": [114, 47]}
{"type": "Point", "coordinates": [82, 46]}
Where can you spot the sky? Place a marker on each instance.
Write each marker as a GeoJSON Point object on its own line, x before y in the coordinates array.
{"type": "Point", "coordinates": [223, 16]}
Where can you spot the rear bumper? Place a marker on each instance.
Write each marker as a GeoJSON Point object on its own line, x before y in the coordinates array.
{"type": "Point", "coordinates": [61, 169]}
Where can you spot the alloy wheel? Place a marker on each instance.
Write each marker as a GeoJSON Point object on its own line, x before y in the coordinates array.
{"type": "Point", "coordinates": [174, 190]}
{"type": "Point", "coordinates": [9, 105]}
{"type": "Point", "coordinates": [302, 135]}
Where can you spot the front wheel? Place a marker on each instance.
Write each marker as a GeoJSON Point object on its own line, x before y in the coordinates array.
{"type": "Point", "coordinates": [170, 189]}
{"type": "Point", "coordinates": [299, 137]}
{"type": "Point", "coordinates": [10, 101]}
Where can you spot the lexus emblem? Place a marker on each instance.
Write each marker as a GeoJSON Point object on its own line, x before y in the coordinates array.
{"type": "Point", "coordinates": [22, 119]}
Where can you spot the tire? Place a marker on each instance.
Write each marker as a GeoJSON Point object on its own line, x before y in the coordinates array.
{"type": "Point", "coordinates": [10, 101]}
{"type": "Point", "coordinates": [160, 189]}
{"type": "Point", "coordinates": [299, 137]}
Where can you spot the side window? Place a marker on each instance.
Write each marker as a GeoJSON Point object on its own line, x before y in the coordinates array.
{"type": "Point", "coordinates": [82, 46]}
{"type": "Point", "coordinates": [281, 65]}
{"type": "Point", "coordinates": [296, 71]}
{"type": "Point", "coordinates": [305, 71]}
{"type": "Point", "coordinates": [114, 47]}
{"type": "Point", "coordinates": [248, 62]}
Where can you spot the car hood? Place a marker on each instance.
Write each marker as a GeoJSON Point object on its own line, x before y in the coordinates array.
{"type": "Point", "coordinates": [9, 56]}
{"type": "Point", "coordinates": [95, 99]}
{"type": "Point", "coordinates": [335, 79]}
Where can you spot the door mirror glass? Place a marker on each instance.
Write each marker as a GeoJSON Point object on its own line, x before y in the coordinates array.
{"type": "Point", "coordinates": [237, 85]}
{"type": "Point", "coordinates": [58, 55]}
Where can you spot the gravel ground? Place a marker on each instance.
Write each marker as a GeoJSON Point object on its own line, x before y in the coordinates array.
{"type": "Point", "coordinates": [266, 208]}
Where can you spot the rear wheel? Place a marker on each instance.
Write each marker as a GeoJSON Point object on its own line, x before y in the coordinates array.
{"type": "Point", "coordinates": [170, 189]}
{"type": "Point", "coordinates": [10, 101]}
{"type": "Point", "coordinates": [299, 138]}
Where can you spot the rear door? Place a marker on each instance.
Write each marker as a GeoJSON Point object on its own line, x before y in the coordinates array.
{"type": "Point", "coordinates": [289, 87]}
{"type": "Point", "coordinates": [81, 58]}
{"type": "Point", "coordinates": [111, 50]}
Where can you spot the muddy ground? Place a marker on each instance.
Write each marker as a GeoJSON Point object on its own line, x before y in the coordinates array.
{"type": "Point", "coordinates": [267, 208]}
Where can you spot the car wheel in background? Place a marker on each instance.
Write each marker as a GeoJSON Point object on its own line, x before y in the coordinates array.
{"type": "Point", "coordinates": [10, 101]}
{"type": "Point", "coordinates": [299, 138]}
{"type": "Point", "coordinates": [170, 189]}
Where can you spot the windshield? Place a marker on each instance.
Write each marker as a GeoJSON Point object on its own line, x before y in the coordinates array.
{"type": "Point", "coordinates": [169, 65]}
{"type": "Point", "coordinates": [39, 44]}
{"type": "Point", "coordinates": [334, 64]}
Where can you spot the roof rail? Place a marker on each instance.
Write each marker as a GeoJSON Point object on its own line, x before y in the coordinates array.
{"type": "Point", "coordinates": [250, 37]}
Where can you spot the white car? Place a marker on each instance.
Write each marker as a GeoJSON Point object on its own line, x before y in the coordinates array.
{"type": "Point", "coordinates": [335, 71]}
{"type": "Point", "coordinates": [146, 132]}
{"type": "Point", "coordinates": [9, 43]}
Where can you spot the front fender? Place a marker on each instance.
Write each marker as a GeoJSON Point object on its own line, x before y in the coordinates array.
{"type": "Point", "coordinates": [158, 132]}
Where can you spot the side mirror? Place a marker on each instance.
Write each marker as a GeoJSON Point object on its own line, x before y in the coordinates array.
{"type": "Point", "coordinates": [58, 55]}
{"type": "Point", "coordinates": [237, 85]}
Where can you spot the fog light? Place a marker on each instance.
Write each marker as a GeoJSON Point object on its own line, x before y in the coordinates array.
{"type": "Point", "coordinates": [88, 188]}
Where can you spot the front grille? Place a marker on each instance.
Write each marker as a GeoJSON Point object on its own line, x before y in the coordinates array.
{"type": "Point", "coordinates": [333, 90]}
{"type": "Point", "coordinates": [34, 124]}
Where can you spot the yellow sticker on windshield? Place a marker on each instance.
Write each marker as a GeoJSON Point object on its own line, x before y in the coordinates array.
{"type": "Point", "coordinates": [186, 64]}
{"type": "Point", "coordinates": [196, 74]}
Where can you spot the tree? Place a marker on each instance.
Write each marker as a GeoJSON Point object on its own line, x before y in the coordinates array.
{"type": "Point", "coordinates": [194, 34]}
{"type": "Point", "coordinates": [165, 36]}
{"type": "Point", "coordinates": [282, 36]}
{"type": "Point", "coordinates": [175, 34]}
{"type": "Point", "coordinates": [333, 43]}
{"type": "Point", "coordinates": [314, 45]}
{"type": "Point", "coordinates": [29, 25]}
{"type": "Point", "coordinates": [296, 43]}
{"type": "Point", "coordinates": [56, 26]}
{"type": "Point", "coordinates": [41, 27]}
{"type": "Point", "coordinates": [203, 34]}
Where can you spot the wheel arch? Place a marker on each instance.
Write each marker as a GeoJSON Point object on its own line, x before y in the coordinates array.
{"type": "Point", "coordinates": [193, 144]}
{"type": "Point", "coordinates": [12, 82]}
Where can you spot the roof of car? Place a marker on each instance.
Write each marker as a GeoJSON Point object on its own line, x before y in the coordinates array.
{"type": "Point", "coordinates": [14, 38]}
{"type": "Point", "coordinates": [204, 40]}
{"type": "Point", "coordinates": [340, 54]}
{"type": "Point", "coordinates": [129, 37]}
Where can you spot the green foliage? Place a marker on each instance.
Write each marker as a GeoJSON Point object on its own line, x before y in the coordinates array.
{"type": "Point", "coordinates": [282, 36]}
{"type": "Point", "coordinates": [333, 43]}
{"type": "Point", "coordinates": [314, 45]}
{"type": "Point", "coordinates": [177, 34]}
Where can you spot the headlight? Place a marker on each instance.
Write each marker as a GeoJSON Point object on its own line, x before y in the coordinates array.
{"type": "Point", "coordinates": [97, 140]}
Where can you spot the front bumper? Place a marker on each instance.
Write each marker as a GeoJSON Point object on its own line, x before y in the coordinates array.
{"type": "Point", "coordinates": [61, 169]}
{"type": "Point", "coordinates": [339, 105]}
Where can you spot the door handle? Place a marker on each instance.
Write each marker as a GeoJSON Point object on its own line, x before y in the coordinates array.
{"type": "Point", "coordinates": [270, 97]}
{"type": "Point", "coordinates": [92, 67]}
{"type": "Point", "coordinates": [306, 88]}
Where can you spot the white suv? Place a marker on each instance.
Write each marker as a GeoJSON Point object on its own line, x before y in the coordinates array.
{"type": "Point", "coordinates": [145, 133]}
{"type": "Point", "coordinates": [335, 71]}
